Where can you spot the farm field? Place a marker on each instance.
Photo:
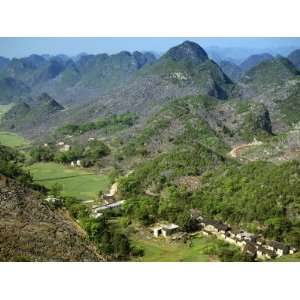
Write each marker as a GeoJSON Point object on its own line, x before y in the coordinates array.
{"type": "Point", "coordinates": [161, 250]}
{"type": "Point", "coordinates": [77, 183]}
{"type": "Point", "coordinates": [12, 140]}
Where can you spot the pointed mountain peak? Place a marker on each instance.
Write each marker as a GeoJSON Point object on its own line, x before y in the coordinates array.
{"type": "Point", "coordinates": [294, 57]}
{"type": "Point", "coordinates": [254, 60]}
{"type": "Point", "coordinates": [187, 50]}
{"type": "Point", "coordinates": [143, 58]}
{"type": "Point", "coordinates": [45, 99]}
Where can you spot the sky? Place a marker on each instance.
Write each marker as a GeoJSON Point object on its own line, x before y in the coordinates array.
{"type": "Point", "coordinates": [20, 47]}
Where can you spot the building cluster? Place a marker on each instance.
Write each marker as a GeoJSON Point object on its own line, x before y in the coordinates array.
{"type": "Point", "coordinates": [63, 147]}
{"type": "Point", "coordinates": [248, 242]}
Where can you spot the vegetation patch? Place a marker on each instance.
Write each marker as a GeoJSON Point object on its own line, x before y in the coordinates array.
{"type": "Point", "coordinates": [110, 123]}
{"type": "Point", "coordinates": [262, 194]}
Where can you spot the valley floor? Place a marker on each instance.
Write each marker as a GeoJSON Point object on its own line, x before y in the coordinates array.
{"type": "Point", "coordinates": [76, 182]}
{"type": "Point", "coordinates": [162, 250]}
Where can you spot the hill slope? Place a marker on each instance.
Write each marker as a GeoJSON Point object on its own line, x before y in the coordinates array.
{"type": "Point", "coordinates": [24, 115]}
{"type": "Point", "coordinates": [11, 90]}
{"type": "Point", "coordinates": [233, 71]}
{"type": "Point", "coordinates": [275, 83]}
{"type": "Point", "coordinates": [31, 231]}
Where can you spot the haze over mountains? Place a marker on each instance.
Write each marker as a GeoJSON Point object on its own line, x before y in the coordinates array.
{"type": "Point", "coordinates": [139, 82]}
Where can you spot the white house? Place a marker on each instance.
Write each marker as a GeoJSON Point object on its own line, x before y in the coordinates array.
{"type": "Point", "coordinates": [264, 253]}
{"type": "Point", "coordinates": [246, 236]}
{"type": "Point", "coordinates": [279, 248]}
{"type": "Point", "coordinates": [65, 148]}
{"type": "Point", "coordinates": [165, 230]}
{"type": "Point", "coordinates": [110, 206]}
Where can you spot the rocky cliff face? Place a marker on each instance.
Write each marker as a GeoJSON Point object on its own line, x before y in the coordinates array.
{"type": "Point", "coordinates": [31, 231]}
{"type": "Point", "coordinates": [233, 71]}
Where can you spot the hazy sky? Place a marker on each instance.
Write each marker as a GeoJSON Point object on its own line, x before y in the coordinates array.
{"type": "Point", "coordinates": [19, 47]}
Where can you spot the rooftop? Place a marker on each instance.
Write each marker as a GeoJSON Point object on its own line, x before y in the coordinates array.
{"type": "Point", "coordinates": [113, 205]}
{"type": "Point", "coordinates": [278, 245]}
{"type": "Point", "coordinates": [216, 224]}
{"type": "Point", "coordinates": [170, 226]}
{"type": "Point", "coordinates": [266, 251]}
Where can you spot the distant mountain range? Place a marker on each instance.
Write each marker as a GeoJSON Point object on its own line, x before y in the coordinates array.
{"type": "Point", "coordinates": [92, 85]}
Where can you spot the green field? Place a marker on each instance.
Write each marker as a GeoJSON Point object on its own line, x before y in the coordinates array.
{"type": "Point", "coordinates": [75, 182]}
{"type": "Point", "coordinates": [12, 140]}
{"type": "Point", "coordinates": [162, 250]}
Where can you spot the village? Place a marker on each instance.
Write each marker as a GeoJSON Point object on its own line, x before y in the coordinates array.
{"type": "Point", "coordinates": [252, 245]}
{"type": "Point", "coordinates": [249, 243]}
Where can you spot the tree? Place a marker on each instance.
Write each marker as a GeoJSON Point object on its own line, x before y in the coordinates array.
{"type": "Point", "coordinates": [96, 150]}
{"type": "Point", "coordinates": [41, 153]}
{"type": "Point", "coordinates": [184, 220]}
{"type": "Point", "coordinates": [56, 190]}
{"type": "Point", "coordinates": [121, 245]}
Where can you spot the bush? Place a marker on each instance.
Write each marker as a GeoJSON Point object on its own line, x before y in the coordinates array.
{"type": "Point", "coordinates": [96, 150]}
{"type": "Point", "coordinates": [42, 153]}
{"type": "Point", "coordinates": [107, 238]}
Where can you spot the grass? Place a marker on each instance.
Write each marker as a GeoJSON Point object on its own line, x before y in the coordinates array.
{"type": "Point", "coordinates": [289, 258]}
{"type": "Point", "coordinates": [77, 183]}
{"type": "Point", "coordinates": [162, 250]}
{"type": "Point", "coordinates": [12, 140]}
